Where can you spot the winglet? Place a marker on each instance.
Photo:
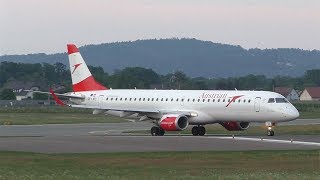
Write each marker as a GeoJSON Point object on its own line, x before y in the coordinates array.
{"type": "Point", "coordinates": [55, 97]}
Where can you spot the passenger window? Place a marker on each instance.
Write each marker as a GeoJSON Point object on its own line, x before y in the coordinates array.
{"type": "Point", "coordinates": [177, 99]}
{"type": "Point", "coordinates": [157, 99]}
{"type": "Point", "coordinates": [107, 99]}
{"type": "Point", "coordinates": [239, 100]}
{"type": "Point", "coordinates": [120, 99]}
{"type": "Point", "coordinates": [218, 100]}
{"type": "Point", "coordinates": [171, 99]}
{"type": "Point", "coordinates": [229, 100]}
{"type": "Point", "coordinates": [161, 99]}
{"type": "Point", "coordinates": [249, 101]}
{"type": "Point", "coordinates": [116, 99]}
{"type": "Point", "coordinates": [182, 100]}
{"type": "Point", "coordinates": [188, 100]}
{"type": "Point", "coordinates": [151, 99]}
{"type": "Point", "coordinates": [208, 100]}
{"type": "Point", "coordinates": [244, 100]}
{"type": "Point", "coordinates": [224, 100]}
{"type": "Point", "coordinates": [198, 100]}
{"type": "Point", "coordinates": [213, 100]}
{"type": "Point", "coordinates": [166, 99]}
{"type": "Point", "coordinates": [144, 99]}
{"type": "Point", "coordinates": [148, 99]}
{"type": "Point", "coordinates": [193, 100]}
{"type": "Point", "coordinates": [271, 100]}
{"type": "Point", "coordinates": [203, 100]}
{"type": "Point", "coordinates": [135, 99]}
{"type": "Point", "coordinates": [111, 99]}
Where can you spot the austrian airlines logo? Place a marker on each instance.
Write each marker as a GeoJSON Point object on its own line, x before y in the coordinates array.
{"type": "Point", "coordinates": [219, 96]}
{"type": "Point", "coordinates": [75, 67]}
{"type": "Point", "coordinates": [233, 100]}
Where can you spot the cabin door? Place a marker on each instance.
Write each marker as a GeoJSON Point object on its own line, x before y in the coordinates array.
{"type": "Point", "coordinates": [257, 101]}
{"type": "Point", "coordinates": [100, 100]}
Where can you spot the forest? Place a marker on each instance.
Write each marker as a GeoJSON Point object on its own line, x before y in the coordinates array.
{"type": "Point", "coordinates": [45, 75]}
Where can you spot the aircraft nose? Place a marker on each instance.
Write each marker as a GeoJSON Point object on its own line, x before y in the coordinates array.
{"type": "Point", "coordinates": [292, 113]}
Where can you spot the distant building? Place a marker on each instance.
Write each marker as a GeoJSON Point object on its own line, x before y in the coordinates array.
{"type": "Point", "coordinates": [18, 88]}
{"type": "Point", "coordinates": [290, 93]}
{"type": "Point", "coordinates": [310, 94]}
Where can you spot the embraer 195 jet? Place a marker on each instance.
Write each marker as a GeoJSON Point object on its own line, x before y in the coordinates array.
{"type": "Point", "coordinates": [175, 110]}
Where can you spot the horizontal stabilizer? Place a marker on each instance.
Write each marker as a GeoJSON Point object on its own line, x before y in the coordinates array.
{"type": "Point", "coordinates": [74, 96]}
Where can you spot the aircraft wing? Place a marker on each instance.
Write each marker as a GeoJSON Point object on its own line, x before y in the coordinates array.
{"type": "Point", "coordinates": [126, 110]}
{"type": "Point", "coordinates": [140, 111]}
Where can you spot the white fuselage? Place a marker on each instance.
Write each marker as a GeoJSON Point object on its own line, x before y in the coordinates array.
{"type": "Point", "coordinates": [206, 106]}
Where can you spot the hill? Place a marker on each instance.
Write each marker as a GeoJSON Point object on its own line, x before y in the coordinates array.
{"type": "Point", "coordinates": [194, 57]}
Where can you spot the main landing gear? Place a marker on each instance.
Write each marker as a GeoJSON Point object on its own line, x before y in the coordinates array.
{"type": "Point", "coordinates": [198, 131]}
{"type": "Point", "coordinates": [270, 132]}
{"type": "Point", "coordinates": [157, 131]}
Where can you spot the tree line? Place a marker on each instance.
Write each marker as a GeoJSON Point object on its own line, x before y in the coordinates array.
{"type": "Point", "coordinates": [46, 75]}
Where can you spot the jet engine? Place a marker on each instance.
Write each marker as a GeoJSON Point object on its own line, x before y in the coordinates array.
{"type": "Point", "coordinates": [235, 126]}
{"type": "Point", "coordinates": [174, 122]}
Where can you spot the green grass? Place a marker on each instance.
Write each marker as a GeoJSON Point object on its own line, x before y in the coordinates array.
{"type": "Point", "coordinates": [55, 118]}
{"type": "Point", "coordinates": [164, 165]}
{"type": "Point", "coordinates": [309, 115]}
{"type": "Point", "coordinates": [253, 130]}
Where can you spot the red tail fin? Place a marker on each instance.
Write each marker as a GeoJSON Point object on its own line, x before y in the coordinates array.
{"type": "Point", "coordinates": [82, 79]}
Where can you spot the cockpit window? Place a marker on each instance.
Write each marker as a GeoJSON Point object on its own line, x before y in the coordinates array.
{"type": "Point", "coordinates": [281, 100]}
{"type": "Point", "coordinates": [271, 100]}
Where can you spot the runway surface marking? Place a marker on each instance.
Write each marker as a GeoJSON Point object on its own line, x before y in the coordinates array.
{"type": "Point", "coordinates": [270, 140]}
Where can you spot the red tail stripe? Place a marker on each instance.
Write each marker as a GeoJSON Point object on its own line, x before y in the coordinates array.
{"type": "Point", "coordinates": [89, 84]}
{"type": "Point", "coordinates": [72, 48]}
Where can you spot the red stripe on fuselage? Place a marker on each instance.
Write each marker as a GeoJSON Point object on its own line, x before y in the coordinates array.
{"type": "Point", "coordinates": [89, 84]}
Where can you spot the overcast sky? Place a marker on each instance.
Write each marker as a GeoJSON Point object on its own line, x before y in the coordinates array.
{"type": "Point", "coordinates": [34, 26]}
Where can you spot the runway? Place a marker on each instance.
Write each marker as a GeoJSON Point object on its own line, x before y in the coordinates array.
{"type": "Point", "coordinates": [98, 128]}
{"type": "Point", "coordinates": [90, 144]}
{"type": "Point", "coordinates": [108, 137]}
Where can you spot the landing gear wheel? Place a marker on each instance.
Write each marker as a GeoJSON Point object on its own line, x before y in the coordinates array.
{"type": "Point", "coordinates": [161, 132]}
{"type": "Point", "coordinates": [195, 131]}
{"type": "Point", "coordinates": [156, 131]}
{"type": "Point", "coordinates": [201, 131]}
{"type": "Point", "coordinates": [270, 133]}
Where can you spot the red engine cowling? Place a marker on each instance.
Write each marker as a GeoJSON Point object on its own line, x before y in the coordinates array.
{"type": "Point", "coordinates": [174, 122]}
{"type": "Point", "coordinates": [235, 126]}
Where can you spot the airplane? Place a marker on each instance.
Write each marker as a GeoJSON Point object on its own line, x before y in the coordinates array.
{"type": "Point", "coordinates": [175, 110]}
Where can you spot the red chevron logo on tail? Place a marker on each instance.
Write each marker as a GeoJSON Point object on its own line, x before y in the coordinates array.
{"type": "Point", "coordinates": [75, 67]}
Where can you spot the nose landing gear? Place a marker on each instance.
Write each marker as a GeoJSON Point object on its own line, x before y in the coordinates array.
{"type": "Point", "coordinates": [270, 132]}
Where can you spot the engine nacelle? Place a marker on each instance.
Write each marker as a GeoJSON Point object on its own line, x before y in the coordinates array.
{"type": "Point", "coordinates": [174, 122]}
{"type": "Point", "coordinates": [235, 126]}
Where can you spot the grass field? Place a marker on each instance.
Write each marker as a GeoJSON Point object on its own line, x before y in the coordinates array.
{"type": "Point", "coordinates": [294, 165]}
{"type": "Point", "coordinates": [254, 130]}
{"type": "Point", "coordinates": [55, 118]}
{"type": "Point", "coordinates": [309, 115]}
{"type": "Point", "coordinates": [52, 115]}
